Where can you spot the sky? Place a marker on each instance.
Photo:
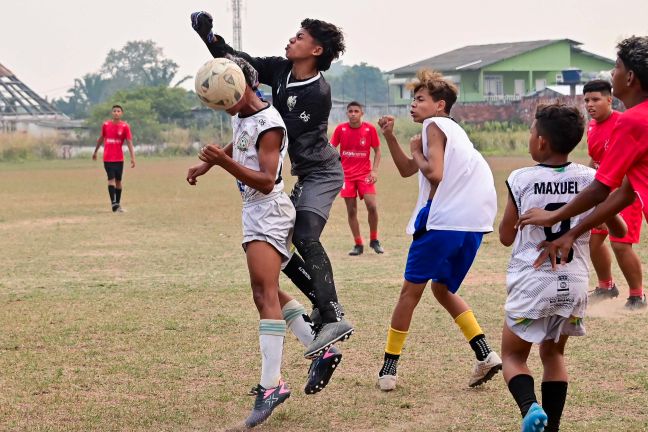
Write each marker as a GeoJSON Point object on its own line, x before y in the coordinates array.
{"type": "Point", "coordinates": [48, 44]}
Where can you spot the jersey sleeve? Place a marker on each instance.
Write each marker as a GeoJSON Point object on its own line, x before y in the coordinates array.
{"type": "Point", "coordinates": [375, 141]}
{"type": "Point", "coordinates": [127, 129]}
{"type": "Point", "coordinates": [103, 130]}
{"type": "Point", "coordinates": [335, 138]}
{"type": "Point", "coordinates": [622, 153]}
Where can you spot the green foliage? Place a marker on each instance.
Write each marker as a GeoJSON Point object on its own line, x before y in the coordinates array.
{"type": "Point", "coordinates": [362, 82]}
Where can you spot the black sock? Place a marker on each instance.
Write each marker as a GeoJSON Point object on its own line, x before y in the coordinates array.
{"type": "Point", "coordinates": [319, 267]}
{"type": "Point", "coordinates": [480, 347]}
{"type": "Point", "coordinates": [296, 272]}
{"type": "Point", "coordinates": [521, 387]}
{"type": "Point", "coordinates": [118, 195]}
{"type": "Point", "coordinates": [111, 192]}
{"type": "Point", "coordinates": [389, 365]}
{"type": "Point", "coordinates": [554, 394]}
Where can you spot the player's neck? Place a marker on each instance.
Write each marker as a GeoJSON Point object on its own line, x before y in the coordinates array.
{"type": "Point", "coordinates": [555, 160]}
{"type": "Point", "coordinates": [635, 99]}
{"type": "Point", "coordinates": [607, 116]}
{"type": "Point", "coordinates": [355, 125]}
{"type": "Point", "coordinates": [253, 107]}
{"type": "Point", "coordinates": [304, 69]}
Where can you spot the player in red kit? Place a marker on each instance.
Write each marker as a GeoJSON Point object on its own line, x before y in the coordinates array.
{"type": "Point", "coordinates": [355, 139]}
{"type": "Point", "coordinates": [598, 101]}
{"type": "Point", "coordinates": [113, 135]}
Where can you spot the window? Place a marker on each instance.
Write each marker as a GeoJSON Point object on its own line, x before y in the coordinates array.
{"type": "Point", "coordinates": [493, 85]}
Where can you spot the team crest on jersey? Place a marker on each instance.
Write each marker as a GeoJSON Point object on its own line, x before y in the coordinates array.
{"type": "Point", "coordinates": [305, 117]}
{"type": "Point", "coordinates": [262, 122]}
{"type": "Point", "coordinates": [292, 101]}
{"type": "Point", "coordinates": [243, 142]}
{"type": "Point", "coordinates": [363, 141]}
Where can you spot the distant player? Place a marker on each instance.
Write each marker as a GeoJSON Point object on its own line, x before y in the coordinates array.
{"type": "Point", "coordinates": [254, 158]}
{"type": "Point", "coordinates": [598, 101]}
{"type": "Point", "coordinates": [303, 98]}
{"type": "Point", "coordinates": [456, 205]}
{"type": "Point", "coordinates": [544, 306]}
{"type": "Point", "coordinates": [625, 165]}
{"type": "Point", "coordinates": [355, 139]}
{"type": "Point", "coordinates": [113, 135]}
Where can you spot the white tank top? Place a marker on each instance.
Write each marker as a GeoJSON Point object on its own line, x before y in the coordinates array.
{"type": "Point", "coordinates": [247, 131]}
{"type": "Point", "coordinates": [465, 199]}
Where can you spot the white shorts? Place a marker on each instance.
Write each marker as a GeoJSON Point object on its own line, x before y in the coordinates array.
{"type": "Point", "coordinates": [270, 220]}
{"type": "Point", "coordinates": [548, 328]}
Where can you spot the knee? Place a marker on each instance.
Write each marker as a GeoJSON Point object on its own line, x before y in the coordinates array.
{"type": "Point", "coordinates": [306, 246]}
{"type": "Point", "coordinates": [550, 355]}
{"type": "Point", "coordinates": [410, 296]}
{"type": "Point", "coordinates": [620, 248]}
{"type": "Point", "coordinates": [352, 211]}
{"type": "Point", "coordinates": [372, 209]}
{"type": "Point", "coordinates": [262, 295]}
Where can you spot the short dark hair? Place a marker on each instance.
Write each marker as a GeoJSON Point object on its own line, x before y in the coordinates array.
{"type": "Point", "coordinates": [329, 37]}
{"type": "Point", "coordinates": [439, 87]}
{"type": "Point", "coordinates": [561, 125]}
{"type": "Point", "coordinates": [354, 103]}
{"type": "Point", "coordinates": [602, 86]}
{"type": "Point", "coordinates": [117, 106]}
{"type": "Point", "coordinates": [633, 52]}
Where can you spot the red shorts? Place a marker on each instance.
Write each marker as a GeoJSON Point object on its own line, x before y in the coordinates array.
{"type": "Point", "coordinates": [632, 215]}
{"type": "Point", "coordinates": [353, 188]}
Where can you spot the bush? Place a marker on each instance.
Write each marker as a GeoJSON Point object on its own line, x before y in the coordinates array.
{"type": "Point", "coordinates": [20, 146]}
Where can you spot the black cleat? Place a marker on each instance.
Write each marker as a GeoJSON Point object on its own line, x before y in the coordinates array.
{"type": "Point", "coordinates": [265, 402]}
{"type": "Point", "coordinates": [636, 302]}
{"type": "Point", "coordinates": [357, 250]}
{"type": "Point", "coordinates": [329, 334]}
{"type": "Point", "coordinates": [375, 245]}
{"type": "Point", "coordinates": [321, 370]}
{"type": "Point", "coordinates": [602, 293]}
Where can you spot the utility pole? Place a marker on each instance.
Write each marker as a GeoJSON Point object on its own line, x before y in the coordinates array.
{"type": "Point", "coordinates": [236, 23]}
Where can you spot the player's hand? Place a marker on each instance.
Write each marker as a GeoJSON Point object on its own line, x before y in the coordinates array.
{"type": "Point", "coordinates": [132, 163]}
{"type": "Point", "coordinates": [94, 156]}
{"type": "Point", "coordinates": [416, 144]}
{"type": "Point", "coordinates": [386, 124]}
{"type": "Point", "coordinates": [201, 22]}
{"type": "Point", "coordinates": [372, 177]}
{"type": "Point", "coordinates": [212, 154]}
{"type": "Point", "coordinates": [555, 249]}
{"type": "Point", "coordinates": [536, 216]}
{"type": "Point", "coordinates": [196, 171]}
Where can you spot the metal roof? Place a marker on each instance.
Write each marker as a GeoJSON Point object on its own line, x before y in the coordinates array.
{"type": "Point", "coordinates": [17, 99]}
{"type": "Point", "coordinates": [475, 57]}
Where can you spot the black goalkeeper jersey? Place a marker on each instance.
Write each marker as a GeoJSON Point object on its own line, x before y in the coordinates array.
{"type": "Point", "coordinates": [304, 107]}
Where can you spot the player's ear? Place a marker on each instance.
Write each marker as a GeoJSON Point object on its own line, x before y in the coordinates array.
{"type": "Point", "coordinates": [318, 50]}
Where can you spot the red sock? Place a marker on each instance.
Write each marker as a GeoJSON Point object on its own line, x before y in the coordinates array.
{"type": "Point", "coordinates": [374, 235]}
{"type": "Point", "coordinates": [358, 241]}
{"type": "Point", "coordinates": [606, 284]}
{"type": "Point", "coordinates": [636, 292]}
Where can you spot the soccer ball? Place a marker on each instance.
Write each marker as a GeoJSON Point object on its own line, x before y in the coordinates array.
{"type": "Point", "coordinates": [220, 84]}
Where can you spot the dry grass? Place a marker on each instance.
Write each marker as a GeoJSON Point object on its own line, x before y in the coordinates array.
{"type": "Point", "coordinates": [20, 147]}
{"type": "Point", "coordinates": [144, 320]}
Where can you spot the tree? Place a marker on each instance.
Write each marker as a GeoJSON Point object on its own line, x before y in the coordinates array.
{"type": "Point", "coordinates": [362, 82]}
{"type": "Point", "coordinates": [139, 63]}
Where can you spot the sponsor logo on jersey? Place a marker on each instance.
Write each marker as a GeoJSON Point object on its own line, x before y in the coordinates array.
{"type": "Point", "coordinates": [291, 102]}
{"type": "Point", "coordinates": [262, 122]}
{"type": "Point", "coordinates": [305, 117]}
{"type": "Point", "coordinates": [243, 142]}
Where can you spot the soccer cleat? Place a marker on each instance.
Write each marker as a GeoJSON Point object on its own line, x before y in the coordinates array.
{"type": "Point", "coordinates": [375, 245]}
{"type": "Point", "coordinates": [535, 420]}
{"type": "Point", "coordinates": [120, 209]}
{"type": "Point", "coordinates": [357, 250]}
{"type": "Point", "coordinates": [115, 206]}
{"type": "Point", "coordinates": [329, 334]}
{"type": "Point", "coordinates": [265, 402]}
{"type": "Point", "coordinates": [316, 318]}
{"type": "Point", "coordinates": [636, 302]}
{"type": "Point", "coordinates": [321, 370]}
{"type": "Point", "coordinates": [485, 370]}
{"type": "Point", "coordinates": [602, 293]}
{"type": "Point", "coordinates": [387, 382]}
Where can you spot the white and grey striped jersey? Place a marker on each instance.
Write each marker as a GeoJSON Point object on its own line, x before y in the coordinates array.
{"type": "Point", "coordinates": [538, 293]}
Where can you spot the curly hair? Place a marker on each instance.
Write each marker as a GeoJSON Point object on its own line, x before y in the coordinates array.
{"type": "Point", "coordinates": [329, 37]}
{"type": "Point", "coordinates": [633, 52]}
{"type": "Point", "coordinates": [561, 125]}
{"type": "Point", "coordinates": [437, 86]}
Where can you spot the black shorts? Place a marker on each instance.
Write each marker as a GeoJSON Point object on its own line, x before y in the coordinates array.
{"type": "Point", "coordinates": [114, 170]}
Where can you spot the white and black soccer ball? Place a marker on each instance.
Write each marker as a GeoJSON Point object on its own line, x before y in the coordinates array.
{"type": "Point", "coordinates": [220, 84]}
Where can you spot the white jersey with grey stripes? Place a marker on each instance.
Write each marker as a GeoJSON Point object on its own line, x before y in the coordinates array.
{"type": "Point", "coordinates": [247, 131]}
{"type": "Point", "coordinates": [538, 293]}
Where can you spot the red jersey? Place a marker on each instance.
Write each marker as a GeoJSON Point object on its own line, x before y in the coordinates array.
{"type": "Point", "coordinates": [114, 135]}
{"type": "Point", "coordinates": [355, 144]}
{"type": "Point", "coordinates": [627, 153]}
{"type": "Point", "coordinates": [598, 136]}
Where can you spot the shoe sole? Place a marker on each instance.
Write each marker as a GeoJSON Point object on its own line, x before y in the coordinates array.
{"type": "Point", "coordinates": [489, 375]}
{"type": "Point", "coordinates": [310, 390]}
{"type": "Point", "coordinates": [311, 355]}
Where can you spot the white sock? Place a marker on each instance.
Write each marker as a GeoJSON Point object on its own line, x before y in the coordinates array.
{"type": "Point", "coordinates": [271, 338]}
{"type": "Point", "coordinates": [293, 312]}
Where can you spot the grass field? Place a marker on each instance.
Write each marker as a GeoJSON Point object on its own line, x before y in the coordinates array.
{"type": "Point", "coordinates": [145, 321]}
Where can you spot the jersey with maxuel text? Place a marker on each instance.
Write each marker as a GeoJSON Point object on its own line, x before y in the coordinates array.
{"type": "Point", "coordinates": [355, 145]}
{"type": "Point", "coordinates": [304, 107]}
{"type": "Point", "coordinates": [114, 135]}
{"type": "Point", "coordinates": [247, 131]}
{"type": "Point", "coordinates": [538, 293]}
{"type": "Point", "coordinates": [598, 136]}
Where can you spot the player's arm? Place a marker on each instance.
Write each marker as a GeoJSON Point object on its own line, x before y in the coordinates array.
{"type": "Point", "coordinates": [373, 176]}
{"type": "Point", "coordinates": [263, 180]}
{"type": "Point", "coordinates": [592, 164]}
{"type": "Point", "coordinates": [431, 166]}
{"type": "Point", "coordinates": [202, 168]}
{"type": "Point", "coordinates": [406, 165]}
{"type": "Point", "coordinates": [131, 151]}
{"type": "Point", "coordinates": [507, 230]}
{"type": "Point", "coordinates": [100, 141]}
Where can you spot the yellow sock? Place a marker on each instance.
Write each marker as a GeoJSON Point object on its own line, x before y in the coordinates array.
{"type": "Point", "coordinates": [468, 325]}
{"type": "Point", "coordinates": [395, 341]}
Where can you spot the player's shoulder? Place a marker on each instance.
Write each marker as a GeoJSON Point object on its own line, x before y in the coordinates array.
{"type": "Point", "coordinates": [582, 169]}
{"type": "Point", "coordinates": [522, 174]}
{"type": "Point", "coordinates": [368, 126]}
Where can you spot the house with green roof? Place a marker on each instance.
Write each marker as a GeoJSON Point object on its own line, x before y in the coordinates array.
{"type": "Point", "coordinates": [505, 72]}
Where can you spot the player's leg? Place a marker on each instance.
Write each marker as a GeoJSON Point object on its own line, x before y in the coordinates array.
{"type": "Point", "coordinates": [352, 217]}
{"type": "Point", "coordinates": [627, 258]}
{"type": "Point", "coordinates": [372, 215]}
{"type": "Point", "coordinates": [401, 319]}
{"type": "Point", "coordinates": [296, 271]}
{"type": "Point", "coordinates": [518, 378]}
{"type": "Point", "coordinates": [110, 172]}
{"type": "Point", "coordinates": [264, 263]}
{"type": "Point", "coordinates": [554, 381]}
{"type": "Point", "coordinates": [119, 170]}
{"type": "Point", "coordinates": [602, 263]}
